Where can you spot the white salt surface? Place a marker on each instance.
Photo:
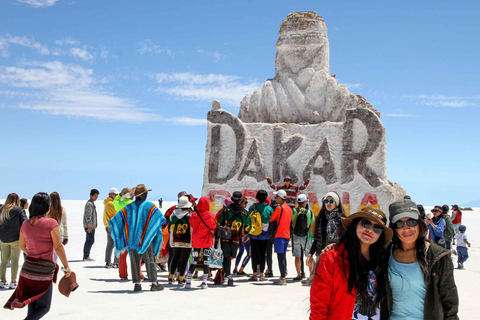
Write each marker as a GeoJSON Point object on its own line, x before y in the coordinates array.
{"type": "Point", "coordinates": [102, 295]}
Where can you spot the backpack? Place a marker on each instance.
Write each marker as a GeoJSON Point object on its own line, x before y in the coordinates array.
{"type": "Point", "coordinates": [256, 222]}
{"type": "Point", "coordinates": [301, 224]}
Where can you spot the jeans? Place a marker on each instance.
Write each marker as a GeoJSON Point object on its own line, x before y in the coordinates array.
{"type": "Point", "coordinates": [10, 252]}
{"type": "Point", "coordinates": [109, 249]}
{"type": "Point", "coordinates": [150, 264]}
{"type": "Point", "coordinates": [462, 254]}
{"type": "Point", "coordinates": [259, 248]}
{"type": "Point", "coordinates": [40, 307]}
{"type": "Point", "coordinates": [90, 239]}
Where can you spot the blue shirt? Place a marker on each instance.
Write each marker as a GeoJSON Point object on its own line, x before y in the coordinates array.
{"type": "Point", "coordinates": [437, 231]}
{"type": "Point", "coordinates": [408, 290]}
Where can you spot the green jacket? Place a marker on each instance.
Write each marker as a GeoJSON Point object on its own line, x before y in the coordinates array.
{"type": "Point", "coordinates": [119, 203]}
{"type": "Point", "coordinates": [441, 297]}
{"type": "Point", "coordinates": [310, 218]}
{"type": "Point", "coordinates": [237, 219]}
{"type": "Point", "coordinates": [264, 209]}
{"type": "Point", "coordinates": [449, 232]}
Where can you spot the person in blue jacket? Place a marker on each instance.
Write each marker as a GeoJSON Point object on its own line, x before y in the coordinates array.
{"type": "Point", "coordinates": [436, 226]}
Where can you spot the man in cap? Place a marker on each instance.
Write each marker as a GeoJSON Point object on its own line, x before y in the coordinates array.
{"type": "Point", "coordinates": [90, 224]}
{"type": "Point", "coordinates": [290, 189]}
{"type": "Point", "coordinates": [302, 221]}
{"type": "Point", "coordinates": [108, 212]}
{"type": "Point", "coordinates": [138, 229]}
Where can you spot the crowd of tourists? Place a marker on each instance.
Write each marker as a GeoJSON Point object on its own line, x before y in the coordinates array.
{"type": "Point", "coordinates": [367, 265]}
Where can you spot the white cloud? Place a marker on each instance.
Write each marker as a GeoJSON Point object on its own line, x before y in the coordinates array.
{"type": "Point", "coordinates": [81, 53]}
{"type": "Point", "coordinates": [445, 101]}
{"type": "Point", "coordinates": [63, 89]}
{"type": "Point", "coordinates": [189, 86]}
{"type": "Point", "coordinates": [147, 46]}
{"type": "Point", "coordinates": [67, 42]}
{"type": "Point", "coordinates": [351, 85]}
{"type": "Point", "coordinates": [8, 39]}
{"type": "Point", "coordinates": [212, 54]}
{"type": "Point", "coordinates": [39, 3]}
{"type": "Point", "coordinates": [396, 115]}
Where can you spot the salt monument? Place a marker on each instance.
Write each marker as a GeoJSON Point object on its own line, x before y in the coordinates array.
{"type": "Point", "coordinates": [301, 123]}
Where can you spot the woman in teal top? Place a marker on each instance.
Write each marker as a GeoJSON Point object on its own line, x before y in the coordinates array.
{"type": "Point", "coordinates": [420, 273]}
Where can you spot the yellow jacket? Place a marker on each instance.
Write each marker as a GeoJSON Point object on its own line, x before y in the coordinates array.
{"type": "Point", "coordinates": [109, 210]}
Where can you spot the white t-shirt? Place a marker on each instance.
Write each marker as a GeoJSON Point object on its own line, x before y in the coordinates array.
{"type": "Point", "coordinates": [461, 239]}
{"type": "Point", "coordinates": [360, 311]}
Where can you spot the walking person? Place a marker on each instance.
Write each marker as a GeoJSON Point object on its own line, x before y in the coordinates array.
{"type": "Point", "coordinates": [180, 239]}
{"type": "Point", "coordinates": [302, 221]}
{"type": "Point", "coordinates": [328, 228]}
{"type": "Point", "coordinates": [283, 217]}
{"type": "Point", "coordinates": [108, 212]}
{"type": "Point", "coordinates": [349, 281]}
{"type": "Point", "coordinates": [203, 232]}
{"type": "Point", "coordinates": [11, 218]}
{"type": "Point", "coordinates": [462, 243]}
{"type": "Point", "coordinates": [436, 226]}
{"type": "Point", "coordinates": [39, 237]}
{"type": "Point", "coordinates": [420, 273]}
{"type": "Point", "coordinates": [123, 199]}
{"type": "Point", "coordinates": [290, 189]}
{"type": "Point", "coordinates": [58, 213]}
{"type": "Point", "coordinates": [138, 229]}
{"type": "Point", "coordinates": [236, 218]}
{"type": "Point", "coordinates": [90, 224]}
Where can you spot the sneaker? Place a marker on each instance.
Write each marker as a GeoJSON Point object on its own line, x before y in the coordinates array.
{"type": "Point", "coordinates": [137, 287]}
{"type": "Point", "coordinates": [242, 274]}
{"type": "Point", "coordinates": [307, 282]}
{"type": "Point", "coordinates": [280, 282]}
{"type": "Point", "coordinates": [303, 275]}
{"type": "Point", "coordinates": [299, 278]}
{"type": "Point", "coordinates": [88, 259]}
{"type": "Point", "coordinates": [460, 265]}
{"type": "Point", "coordinates": [156, 287]}
{"type": "Point", "coordinates": [230, 282]}
{"type": "Point", "coordinates": [187, 286]}
{"type": "Point", "coordinates": [123, 278]}
{"type": "Point", "coordinates": [161, 267]}
{"type": "Point", "coordinates": [234, 271]}
{"type": "Point", "coordinates": [454, 252]}
{"type": "Point", "coordinates": [3, 285]}
{"type": "Point", "coordinates": [262, 278]}
{"type": "Point", "coordinates": [115, 266]}
{"type": "Point", "coordinates": [170, 281]}
{"type": "Point", "coordinates": [182, 281]}
{"type": "Point", "coordinates": [268, 274]}
{"type": "Point", "coordinates": [204, 286]}
{"type": "Point", "coordinates": [107, 266]}
{"type": "Point", "coordinates": [13, 285]}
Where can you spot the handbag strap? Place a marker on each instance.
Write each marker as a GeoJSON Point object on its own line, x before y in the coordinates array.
{"type": "Point", "coordinates": [198, 213]}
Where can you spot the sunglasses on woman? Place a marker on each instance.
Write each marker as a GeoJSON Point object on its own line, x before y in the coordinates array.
{"type": "Point", "coordinates": [378, 229]}
{"type": "Point", "coordinates": [410, 222]}
{"type": "Point", "coordinates": [328, 201]}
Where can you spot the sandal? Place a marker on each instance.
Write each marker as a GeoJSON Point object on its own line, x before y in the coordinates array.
{"type": "Point", "coordinates": [253, 278]}
{"type": "Point", "coordinates": [262, 278]}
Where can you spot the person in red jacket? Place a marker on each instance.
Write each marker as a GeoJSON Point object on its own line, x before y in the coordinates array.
{"type": "Point", "coordinates": [203, 231]}
{"type": "Point", "coordinates": [349, 281]}
{"type": "Point", "coordinates": [283, 216]}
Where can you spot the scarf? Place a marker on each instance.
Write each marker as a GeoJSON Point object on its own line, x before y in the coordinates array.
{"type": "Point", "coordinates": [329, 229]}
{"type": "Point", "coordinates": [136, 226]}
{"type": "Point", "coordinates": [35, 279]}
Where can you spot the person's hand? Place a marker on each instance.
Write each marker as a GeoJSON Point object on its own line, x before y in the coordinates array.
{"type": "Point", "coordinates": [309, 179]}
{"type": "Point", "coordinates": [468, 245]}
{"type": "Point", "coordinates": [267, 177]}
{"type": "Point", "coordinates": [65, 241]}
{"type": "Point", "coordinates": [309, 261]}
{"type": "Point", "coordinates": [328, 248]}
{"type": "Point", "coordinates": [67, 271]}
{"type": "Point", "coordinates": [89, 230]}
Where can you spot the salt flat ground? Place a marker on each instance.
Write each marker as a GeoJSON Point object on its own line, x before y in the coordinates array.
{"type": "Point", "coordinates": [102, 295]}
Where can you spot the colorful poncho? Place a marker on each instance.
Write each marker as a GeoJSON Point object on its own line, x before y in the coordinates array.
{"type": "Point", "coordinates": [136, 226]}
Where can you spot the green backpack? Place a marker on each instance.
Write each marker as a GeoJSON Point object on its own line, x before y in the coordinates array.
{"type": "Point", "coordinates": [256, 222]}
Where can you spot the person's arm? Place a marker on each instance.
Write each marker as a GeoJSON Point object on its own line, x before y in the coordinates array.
{"type": "Point", "coordinates": [454, 213]}
{"type": "Point", "coordinates": [22, 216]}
{"type": "Point", "coordinates": [22, 243]}
{"type": "Point", "coordinates": [271, 184]}
{"type": "Point", "coordinates": [65, 227]}
{"type": "Point", "coordinates": [447, 289]}
{"type": "Point", "coordinates": [294, 215]}
{"type": "Point", "coordinates": [305, 184]}
{"type": "Point", "coordinates": [466, 241]}
{"type": "Point", "coordinates": [275, 214]}
{"type": "Point", "coordinates": [322, 289]}
{"type": "Point", "coordinates": [58, 246]}
{"type": "Point", "coordinates": [439, 228]}
{"type": "Point", "coordinates": [88, 217]}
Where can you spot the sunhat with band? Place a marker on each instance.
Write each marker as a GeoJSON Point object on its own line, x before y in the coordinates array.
{"type": "Point", "coordinates": [374, 214]}
{"type": "Point", "coordinates": [184, 203]}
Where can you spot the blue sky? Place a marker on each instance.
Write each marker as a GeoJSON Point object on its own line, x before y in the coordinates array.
{"type": "Point", "coordinates": [115, 93]}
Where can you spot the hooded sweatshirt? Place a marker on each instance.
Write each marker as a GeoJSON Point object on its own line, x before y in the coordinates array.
{"type": "Point", "coordinates": [179, 227]}
{"type": "Point", "coordinates": [108, 211]}
{"type": "Point", "coordinates": [202, 231]}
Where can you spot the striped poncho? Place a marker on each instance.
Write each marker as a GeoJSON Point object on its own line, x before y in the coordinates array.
{"type": "Point", "coordinates": [136, 226]}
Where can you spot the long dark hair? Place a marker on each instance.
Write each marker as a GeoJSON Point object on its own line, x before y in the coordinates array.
{"type": "Point", "coordinates": [359, 266]}
{"type": "Point", "coordinates": [40, 204]}
{"type": "Point", "coordinates": [419, 244]}
{"type": "Point", "coordinates": [321, 215]}
{"type": "Point", "coordinates": [56, 209]}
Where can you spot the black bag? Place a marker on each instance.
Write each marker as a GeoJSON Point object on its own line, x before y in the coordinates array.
{"type": "Point", "coordinates": [301, 224]}
{"type": "Point", "coordinates": [273, 226]}
{"type": "Point", "coordinates": [224, 232]}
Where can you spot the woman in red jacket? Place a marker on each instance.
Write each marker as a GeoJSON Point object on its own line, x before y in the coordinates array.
{"type": "Point", "coordinates": [349, 280]}
{"type": "Point", "coordinates": [203, 231]}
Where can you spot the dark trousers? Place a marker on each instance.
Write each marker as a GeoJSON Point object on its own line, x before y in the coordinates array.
{"type": "Point", "coordinates": [149, 258]}
{"type": "Point", "coordinates": [282, 263]}
{"type": "Point", "coordinates": [40, 307]}
{"type": "Point", "coordinates": [179, 260]}
{"type": "Point", "coordinates": [269, 255]}
{"type": "Point", "coordinates": [89, 241]}
{"type": "Point", "coordinates": [259, 249]}
{"type": "Point", "coordinates": [462, 254]}
{"type": "Point", "coordinates": [229, 251]}
{"type": "Point", "coordinates": [109, 249]}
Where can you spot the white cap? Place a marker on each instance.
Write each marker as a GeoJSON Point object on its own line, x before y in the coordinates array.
{"type": "Point", "coordinates": [281, 193]}
{"type": "Point", "coordinates": [301, 198]}
{"type": "Point", "coordinates": [113, 190]}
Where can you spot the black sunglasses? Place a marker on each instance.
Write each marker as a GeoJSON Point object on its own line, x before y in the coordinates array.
{"type": "Point", "coordinates": [378, 229]}
{"type": "Point", "coordinates": [410, 222]}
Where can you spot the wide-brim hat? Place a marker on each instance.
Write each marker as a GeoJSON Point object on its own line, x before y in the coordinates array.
{"type": "Point", "coordinates": [139, 190]}
{"type": "Point", "coordinates": [374, 214]}
{"type": "Point", "coordinates": [184, 203]}
{"type": "Point", "coordinates": [68, 285]}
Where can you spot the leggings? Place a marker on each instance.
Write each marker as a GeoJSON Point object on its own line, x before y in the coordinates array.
{"type": "Point", "coordinates": [10, 252]}
{"type": "Point", "coordinates": [196, 254]}
{"type": "Point", "coordinates": [245, 247]}
{"type": "Point", "coordinates": [282, 263]}
{"type": "Point", "coordinates": [269, 255]}
{"type": "Point", "coordinates": [40, 307]}
{"type": "Point", "coordinates": [259, 248]}
{"type": "Point", "coordinates": [179, 260]}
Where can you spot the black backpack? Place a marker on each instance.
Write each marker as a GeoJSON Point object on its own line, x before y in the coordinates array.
{"type": "Point", "coordinates": [301, 224]}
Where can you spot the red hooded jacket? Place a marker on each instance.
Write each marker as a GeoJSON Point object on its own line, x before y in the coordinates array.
{"type": "Point", "coordinates": [202, 237]}
{"type": "Point", "coordinates": [329, 296]}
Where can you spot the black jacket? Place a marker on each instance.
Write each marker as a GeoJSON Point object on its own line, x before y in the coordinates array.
{"type": "Point", "coordinates": [10, 229]}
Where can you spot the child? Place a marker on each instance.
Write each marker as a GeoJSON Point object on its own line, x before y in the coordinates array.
{"type": "Point", "coordinates": [462, 243]}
